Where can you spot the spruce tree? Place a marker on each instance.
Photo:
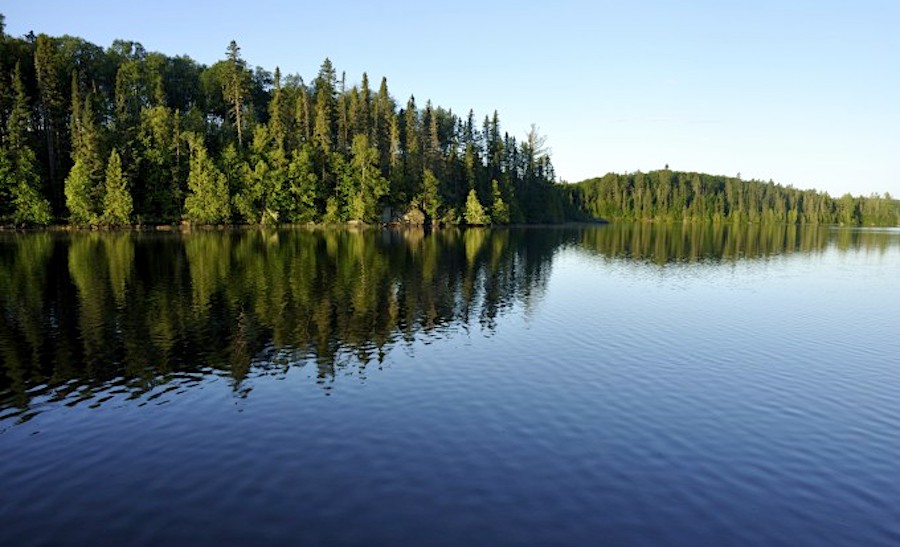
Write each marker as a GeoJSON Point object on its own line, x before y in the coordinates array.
{"type": "Point", "coordinates": [431, 196]}
{"type": "Point", "coordinates": [235, 88]}
{"type": "Point", "coordinates": [362, 185]}
{"type": "Point", "coordinates": [22, 179]}
{"type": "Point", "coordinates": [475, 214]}
{"type": "Point", "coordinates": [207, 201]}
{"type": "Point", "coordinates": [83, 186]}
{"type": "Point", "coordinates": [499, 209]}
{"type": "Point", "coordinates": [117, 205]}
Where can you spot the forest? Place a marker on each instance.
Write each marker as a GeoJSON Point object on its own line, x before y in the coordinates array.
{"type": "Point", "coordinates": [120, 136]}
{"type": "Point", "coordinates": [672, 196]}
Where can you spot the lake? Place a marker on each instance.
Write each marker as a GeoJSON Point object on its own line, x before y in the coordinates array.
{"type": "Point", "coordinates": [621, 384]}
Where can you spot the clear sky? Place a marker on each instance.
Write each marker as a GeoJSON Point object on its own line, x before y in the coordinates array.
{"type": "Point", "coordinates": [801, 92]}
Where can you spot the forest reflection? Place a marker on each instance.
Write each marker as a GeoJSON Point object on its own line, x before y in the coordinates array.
{"type": "Point", "coordinates": [662, 243]}
{"type": "Point", "coordinates": [140, 311]}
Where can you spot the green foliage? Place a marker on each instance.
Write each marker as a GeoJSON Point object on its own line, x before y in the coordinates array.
{"type": "Point", "coordinates": [431, 196]}
{"type": "Point", "coordinates": [304, 192]}
{"type": "Point", "coordinates": [30, 206]}
{"type": "Point", "coordinates": [117, 203]}
{"type": "Point", "coordinates": [499, 209]}
{"type": "Point", "coordinates": [19, 179]}
{"type": "Point", "coordinates": [475, 214]}
{"type": "Point", "coordinates": [160, 183]}
{"type": "Point", "coordinates": [673, 196]}
{"type": "Point", "coordinates": [79, 190]}
{"type": "Point", "coordinates": [207, 201]}
{"type": "Point", "coordinates": [361, 185]}
{"type": "Point", "coordinates": [83, 185]}
{"type": "Point", "coordinates": [330, 150]}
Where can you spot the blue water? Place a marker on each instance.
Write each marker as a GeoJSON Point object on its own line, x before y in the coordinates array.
{"type": "Point", "coordinates": [507, 387]}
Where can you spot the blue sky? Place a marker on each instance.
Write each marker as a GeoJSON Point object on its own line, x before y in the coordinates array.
{"type": "Point", "coordinates": [801, 92]}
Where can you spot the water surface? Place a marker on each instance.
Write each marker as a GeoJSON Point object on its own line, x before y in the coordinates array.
{"type": "Point", "coordinates": [635, 384]}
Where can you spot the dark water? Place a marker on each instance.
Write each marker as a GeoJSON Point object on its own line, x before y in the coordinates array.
{"type": "Point", "coordinates": [628, 385]}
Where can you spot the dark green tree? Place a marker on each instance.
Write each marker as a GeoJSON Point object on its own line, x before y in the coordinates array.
{"type": "Point", "coordinates": [19, 179]}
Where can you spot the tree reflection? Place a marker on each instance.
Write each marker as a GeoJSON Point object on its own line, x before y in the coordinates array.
{"type": "Point", "coordinates": [141, 308]}
{"type": "Point", "coordinates": [665, 243]}
{"type": "Point", "coordinates": [84, 311]}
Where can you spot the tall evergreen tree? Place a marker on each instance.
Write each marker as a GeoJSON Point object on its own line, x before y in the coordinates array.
{"type": "Point", "coordinates": [83, 186]}
{"type": "Point", "coordinates": [207, 201]}
{"type": "Point", "coordinates": [236, 88]}
{"type": "Point", "coordinates": [117, 204]}
{"type": "Point", "coordinates": [52, 112]}
{"type": "Point", "coordinates": [18, 173]}
{"type": "Point", "coordinates": [413, 148]}
{"type": "Point", "coordinates": [362, 185]}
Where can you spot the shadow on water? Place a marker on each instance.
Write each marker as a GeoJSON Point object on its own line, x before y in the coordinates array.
{"type": "Point", "coordinates": [90, 315]}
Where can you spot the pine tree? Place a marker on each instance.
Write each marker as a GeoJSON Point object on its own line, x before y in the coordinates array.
{"type": "Point", "coordinates": [52, 110]}
{"type": "Point", "coordinates": [383, 118]}
{"type": "Point", "coordinates": [207, 201]}
{"type": "Point", "coordinates": [21, 179]}
{"type": "Point", "coordinates": [83, 186]}
{"type": "Point", "coordinates": [235, 88]}
{"type": "Point", "coordinates": [278, 113]}
{"type": "Point", "coordinates": [362, 185]}
{"type": "Point", "coordinates": [499, 209]}
{"type": "Point", "coordinates": [117, 205]}
{"type": "Point", "coordinates": [431, 196]}
{"type": "Point", "coordinates": [304, 188]}
{"type": "Point", "coordinates": [413, 149]}
{"type": "Point", "coordinates": [364, 116]}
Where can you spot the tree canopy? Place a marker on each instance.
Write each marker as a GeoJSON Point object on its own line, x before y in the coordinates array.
{"type": "Point", "coordinates": [668, 196]}
{"type": "Point", "coordinates": [232, 143]}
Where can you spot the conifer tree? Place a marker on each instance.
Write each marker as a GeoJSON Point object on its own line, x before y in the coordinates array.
{"type": "Point", "coordinates": [304, 189]}
{"type": "Point", "coordinates": [364, 116]}
{"type": "Point", "coordinates": [362, 185]}
{"type": "Point", "coordinates": [207, 201]}
{"type": "Point", "coordinates": [19, 174]}
{"type": "Point", "coordinates": [117, 204]}
{"type": "Point", "coordinates": [475, 214]}
{"type": "Point", "coordinates": [413, 149]}
{"type": "Point", "coordinates": [431, 196]}
{"type": "Point", "coordinates": [383, 118]}
{"type": "Point", "coordinates": [83, 186]}
{"type": "Point", "coordinates": [499, 209]}
{"type": "Point", "coordinates": [235, 88]}
{"type": "Point", "coordinates": [52, 110]}
{"type": "Point", "coordinates": [278, 113]}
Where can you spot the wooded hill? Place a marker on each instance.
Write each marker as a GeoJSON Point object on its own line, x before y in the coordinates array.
{"type": "Point", "coordinates": [122, 135]}
{"type": "Point", "coordinates": [666, 195]}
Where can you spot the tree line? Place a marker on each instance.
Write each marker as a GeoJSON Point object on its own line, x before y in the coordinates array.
{"type": "Point", "coordinates": [121, 135]}
{"type": "Point", "coordinates": [669, 196]}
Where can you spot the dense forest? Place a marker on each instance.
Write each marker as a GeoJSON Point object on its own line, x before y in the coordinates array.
{"type": "Point", "coordinates": [120, 136]}
{"type": "Point", "coordinates": [669, 196]}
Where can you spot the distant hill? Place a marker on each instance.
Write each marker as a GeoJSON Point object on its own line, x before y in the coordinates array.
{"type": "Point", "coordinates": [666, 195]}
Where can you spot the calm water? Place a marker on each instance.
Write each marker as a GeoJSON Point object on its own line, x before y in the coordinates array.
{"type": "Point", "coordinates": [628, 385]}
